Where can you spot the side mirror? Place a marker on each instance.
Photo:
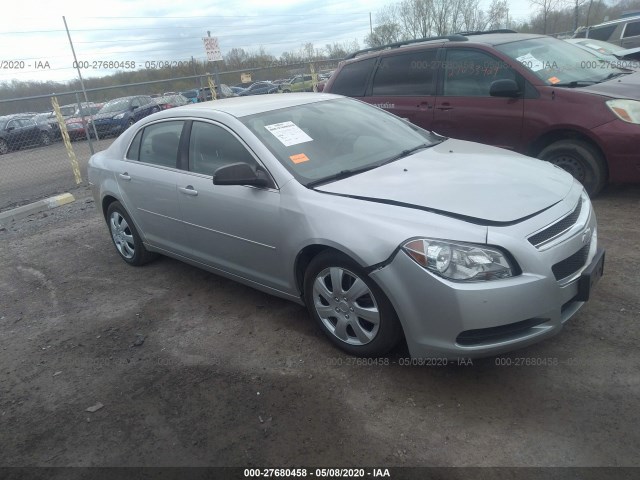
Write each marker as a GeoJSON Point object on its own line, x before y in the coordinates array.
{"type": "Point", "coordinates": [240, 174]}
{"type": "Point", "coordinates": [133, 107]}
{"type": "Point", "coordinates": [504, 88]}
{"type": "Point", "coordinates": [8, 129]}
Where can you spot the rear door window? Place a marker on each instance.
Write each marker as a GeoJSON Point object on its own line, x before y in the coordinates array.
{"type": "Point", "coordinates": [352, 78]}
{"type": "Point", "coordinates": [410, 74]}
{"type": "Point", "coordinates": [159, 143]}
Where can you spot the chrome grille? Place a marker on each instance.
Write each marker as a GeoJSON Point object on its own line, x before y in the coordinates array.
{"type": "Point", "coordinates": [557, 228]}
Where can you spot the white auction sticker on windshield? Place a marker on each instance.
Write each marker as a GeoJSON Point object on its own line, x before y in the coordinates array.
{"type": "Point", "coordinates": [288, 133]}
{"type": "Point", "coordinates": [531, 62]}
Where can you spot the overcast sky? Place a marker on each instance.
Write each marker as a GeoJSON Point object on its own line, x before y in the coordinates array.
{"type": "Point", "coordinates": [32, 31]}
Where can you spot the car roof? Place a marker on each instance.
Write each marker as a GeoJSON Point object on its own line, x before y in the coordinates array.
{"type": "Point", "coordinates": [617, 20]}
{"type": "Point", "coordinates": [471, 38]}
{"type": "Point", "coordinates": [244, 106]}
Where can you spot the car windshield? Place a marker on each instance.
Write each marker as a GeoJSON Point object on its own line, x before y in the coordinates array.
{"type": "Point", "coordinates": [325, 140]}
{"type": "Point", "coordinates": [560, 63]}
{"type": "Point", "coordinates": [68, 110]}
{"type": "Point", "coordinates": [115, 106]}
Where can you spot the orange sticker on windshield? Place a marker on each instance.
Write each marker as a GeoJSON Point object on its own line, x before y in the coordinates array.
{"type": "Point", "coordinates": [299, 158]}
{"type": "Point", "coordinates": [554, 80]}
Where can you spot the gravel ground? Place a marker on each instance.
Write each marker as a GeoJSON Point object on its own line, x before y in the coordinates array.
{"type": "Point", "coordinates": [184, 368]}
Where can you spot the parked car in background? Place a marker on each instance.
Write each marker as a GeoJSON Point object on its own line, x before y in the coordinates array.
{"type": "Point", "coordinates": [533, 94]}
{"type": "Point", "coordinates": [222, 91]}
{"type": "Point", "coordinates": [78, 127]}
{"type": "Point", "coordinates": [49, 119]}
{"type": "Point", "coordinates": [623, 31]}
{"type": "Point", "coordinates": [380, 228]}
{"type": "Point", "coordinates": [299, 83]}
{"type": "Point", "coordinates": [119, 114]}
{"type": "Point", "coordinates": [72, 110]}
{"type": "Point", "coordinates": [237, 90]}
{"type": "Point", "coordinates": [171, 101]}
{"type": "Point", "coordinates": [18, 131]}
{"type": "Point", "coordinates": [259, 88]}
{"type": "Point", "coordinates": [613, 54]}
{"type": "Point", "coordinates": [191, 95]}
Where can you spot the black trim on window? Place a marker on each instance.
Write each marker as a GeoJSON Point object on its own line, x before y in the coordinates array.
{"type": "Point", "coordinates": [183, 146]}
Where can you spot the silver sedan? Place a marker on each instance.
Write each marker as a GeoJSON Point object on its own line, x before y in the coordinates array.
{"type": "Point", "coordinates": [383, 230]}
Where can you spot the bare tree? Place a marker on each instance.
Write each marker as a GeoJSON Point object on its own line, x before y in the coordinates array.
{"type": "Point", "coordinates": [546, 7]}
{"type": "Point", "coordinates": [497, 15]}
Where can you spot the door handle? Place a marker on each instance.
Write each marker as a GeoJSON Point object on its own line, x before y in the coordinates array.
{"type": "Point", "coordinates": [125, 176]}
{"type": "Point", "coordinates": [188, 190]}
{"type": "Point", "coordinates": [444, 107]}
{"type": "Point", "coordinates": [424, 106]}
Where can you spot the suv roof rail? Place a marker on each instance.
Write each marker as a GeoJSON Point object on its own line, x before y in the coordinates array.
{"type": "Point", "coordinates": [482, 32]}
{"type": "Point", "coordinates": [451, 38]}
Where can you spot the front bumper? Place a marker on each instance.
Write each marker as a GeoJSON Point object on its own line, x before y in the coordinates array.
{"type": "Point", "coordinates": [454, 320]}
{"type": "Point", "coordinates": [109, 128]}
{"type": "Point", "coordinates": [619, 141]}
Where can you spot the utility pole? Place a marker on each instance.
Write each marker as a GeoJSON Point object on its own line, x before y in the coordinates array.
{"type": "Point", "coordinates": [370, 24]}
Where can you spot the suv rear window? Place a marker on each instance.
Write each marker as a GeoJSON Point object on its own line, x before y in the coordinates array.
{"type": "Point", "coordinates": [409, 74]}
{"type": "Point", "coordinates": [352, 78]}
{"type": "Point", "coordinates": [602, 33]}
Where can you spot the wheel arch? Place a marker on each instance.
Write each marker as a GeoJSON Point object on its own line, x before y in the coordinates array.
{"type": "Point", "coordinates": [552, 136]}
{"type": "Point", "coordinates": [106, 202]}
{"type": "Point", "coordinates": [308, 253]}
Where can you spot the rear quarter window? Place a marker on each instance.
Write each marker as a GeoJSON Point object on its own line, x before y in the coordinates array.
{"type": "Point", "coordinates": [602, 33]}
{"type": "Point", "coordinates": [351, 80]}
{"type": "Point", "coordinates": [631, 30]}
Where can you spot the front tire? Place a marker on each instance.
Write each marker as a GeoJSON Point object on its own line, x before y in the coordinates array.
{"type": "Point", "coordinates": [351, 310]}
{"type": "Point", "coordinates": [125, 237]}
{"type": "Point", "coordinates": [581, 160]}
{"type": "Point", "coordinates": [4, 147]}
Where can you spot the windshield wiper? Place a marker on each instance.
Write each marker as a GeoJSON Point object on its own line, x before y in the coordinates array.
{"type": "Point", "coordinates": [576, 83]}
{"type": "Point", "coordinates": [340, 175]}
{"type": "Point", "coordinates": [615, 75]}
{"type": "Point", "coordinates": [409, 151]}
{"type": "Point", "coordinates": [348, 173]}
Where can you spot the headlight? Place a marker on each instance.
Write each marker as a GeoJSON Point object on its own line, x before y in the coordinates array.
{"type": "Point", "coordinates": [118, 116]}
{"type": "Point", "coordinates": [626, 110]}
{"type": "Point", "coordinates": [459, 261]}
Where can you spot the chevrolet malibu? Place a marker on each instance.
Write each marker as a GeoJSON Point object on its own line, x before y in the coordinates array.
{"type": "Point", "coordinates": [383, 230]}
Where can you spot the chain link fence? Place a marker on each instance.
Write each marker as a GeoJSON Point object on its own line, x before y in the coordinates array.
{"type": "Point", "coordinates": [47, 140]}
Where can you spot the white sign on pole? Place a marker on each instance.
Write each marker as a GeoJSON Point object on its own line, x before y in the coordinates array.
{"type": "Point", "coordinates": [212, 48]}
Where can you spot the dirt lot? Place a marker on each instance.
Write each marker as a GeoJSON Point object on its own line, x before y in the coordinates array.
{"type": "Point", "coordinates": [224, 375]}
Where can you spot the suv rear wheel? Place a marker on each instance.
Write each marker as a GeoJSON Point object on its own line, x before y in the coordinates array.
{"type": "Point", "coordinates": [581, 160]}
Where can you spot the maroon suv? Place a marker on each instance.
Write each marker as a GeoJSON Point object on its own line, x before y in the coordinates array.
{"type": "Point", "coordinates": [530, 93]}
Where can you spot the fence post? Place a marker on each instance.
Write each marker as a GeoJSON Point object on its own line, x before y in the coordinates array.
{"type": "Point", "coordinates": [67, 142]}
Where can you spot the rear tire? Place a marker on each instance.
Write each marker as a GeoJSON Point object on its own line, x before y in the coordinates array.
{"type": "Point", "coordinates": [355, 315]}
{"type": "Point", "coordinates": [45, 139]}
{"type": "Point", "coordinates": [126, 238]}
{"type": "Point", "coordinates": [4, 148]}
{"type": "Point", "coordinates": [581, 160]}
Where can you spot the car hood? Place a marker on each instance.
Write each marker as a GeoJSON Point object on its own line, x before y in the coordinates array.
{"type": "Point", "coordinates": [627, 86]}
{"type": "Point", "coordinates": [103, 116]}
{"type": "Point", "coordinates": [477, 183]}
